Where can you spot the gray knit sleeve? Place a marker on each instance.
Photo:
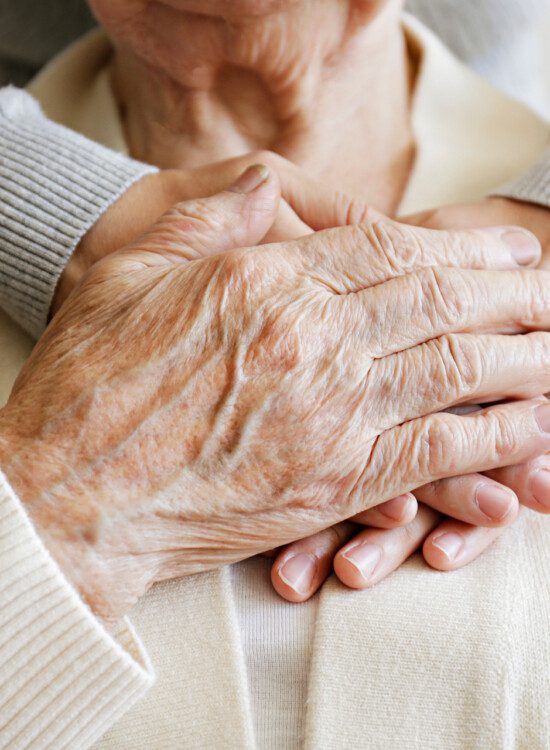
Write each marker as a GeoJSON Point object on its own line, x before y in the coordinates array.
{"type": "Point", "coordinates": [54, 186]}
{"type": "Point", "coordinates": [533, 186]}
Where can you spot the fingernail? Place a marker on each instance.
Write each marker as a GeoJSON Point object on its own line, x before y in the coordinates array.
{"type": "Point", "coordinates": [298, 572]}
{"type": "Point", "coordinates": [524, 246]}
{"type": "Point", "coordinates": [449, 543]}
{"type": "Point", "coordinates": [250, 179]}
{"type": "Point", "coordinates": [494, 502]}
{"type": "Point", "coordinates": [395, 509]}
{"type": "Point", "coordinates": [542, 415]}
{"type": "Point", "coordinates": [364, 557]}
{"type": "Point", "coordinates": [540, 486]}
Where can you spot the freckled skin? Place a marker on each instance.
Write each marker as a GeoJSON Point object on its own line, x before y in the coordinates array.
{"type": "Point", "coordinates": [241, 402]}
{"type": "Point", "coordinates": [180, 415]}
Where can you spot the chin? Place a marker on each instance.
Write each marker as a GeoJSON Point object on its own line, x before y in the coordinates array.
{"type": "Point", "coordinates": [232, 9]}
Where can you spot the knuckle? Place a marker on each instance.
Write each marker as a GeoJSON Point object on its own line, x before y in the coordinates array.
{"type": "Point", "coordinates": [436, 447]}
{"type": "Point", "coordinates": [458, 366]}
{"type": "Point", "coordinates": [541, 342]}
{"type": "Point", "coordinates": [445, 296]}
{"type": "Point", "coordinates": [239, 268]}
{"type": "Point", "coordinates": [196, 214]}
{"type": "Point", "coordinates": [405, 249]}
{"type": "Point", "coordinates": [466, 247]}
{"type": "Point", "coordinates": [536, 291]}
{"type": "Point", "coordinates": [538, 344]}
{"type": "Point", "coordinates": [187, 218]}
{"type": "Point", "coordinates": [535, 353]}
{"type": "Point", "coordinates": [504, 434]}
{"type": "Point", "coordinates": [382, 244]}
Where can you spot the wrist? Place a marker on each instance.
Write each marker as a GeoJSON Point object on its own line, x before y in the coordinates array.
{"type": "Point", "coordinates": [123, 222]}
{"type": "Point", "coordinates": [67, 531]}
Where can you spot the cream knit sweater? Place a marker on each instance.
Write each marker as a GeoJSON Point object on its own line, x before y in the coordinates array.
{"type": "Point", "coordinates": [63, 679]}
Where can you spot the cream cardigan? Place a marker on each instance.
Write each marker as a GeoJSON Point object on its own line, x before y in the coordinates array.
{"type": "Point", "coordinates": [423, 660]}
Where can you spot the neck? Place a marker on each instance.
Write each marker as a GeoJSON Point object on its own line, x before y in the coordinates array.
{"type": "Point", "coordinates": [322, 84]}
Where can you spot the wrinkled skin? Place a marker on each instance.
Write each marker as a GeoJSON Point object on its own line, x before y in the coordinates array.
{"type": "Point", "coordinates": [468, 533]}
{"type": "Point", "coordinates": [227, 77]}
{"type": "Point", "coordinates": [448, 543]}
{"type": "Point", "coordinates": [181, 415]}
{"type": "Point", "coordinates": [467, 529]}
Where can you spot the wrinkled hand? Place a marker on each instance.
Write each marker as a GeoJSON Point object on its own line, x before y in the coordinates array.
{"type": "Point", "coordinates": [480, 506]}
{"type": "Point", "coordinates": [151, 196]}
{"type": "Point", "coordinates": [454, 544]}
{"type": "Point", "coordinates": [144, 202]}
{"type": "Point", "coordinates": [179, 416]}
{"type": "Point", "coordinates": [321, 207]}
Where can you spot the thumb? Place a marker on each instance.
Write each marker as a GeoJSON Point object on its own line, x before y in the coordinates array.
{"type": "Point", "coordinates": [311, 204]}
{"type": "Point", "coordinates": [321, 206]}
{"type": "Point", "coordinates": [239, 216]}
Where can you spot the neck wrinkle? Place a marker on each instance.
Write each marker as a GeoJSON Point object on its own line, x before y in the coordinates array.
{"type": "Point", "coordinates": [288, 83]}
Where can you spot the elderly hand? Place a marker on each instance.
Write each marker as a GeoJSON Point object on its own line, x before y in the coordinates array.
{"type": "Point", "coordinates": [147, 199]}
{"type": "Point", "coordinates": [178, 416]}
{"type": "Point", "coordinates": [480, 506]}
{"type": "Point", "coordinates": [530, 481]}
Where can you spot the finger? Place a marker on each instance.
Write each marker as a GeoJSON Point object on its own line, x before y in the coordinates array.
{"type": "Point", "coordinates": [389, 515]}
{"type": "Point", "coordinates": [472, 498]}
{"type": "Point", "coordinates": [356, 257]}
{"type": "Point", "coordinates": [530, 481]}
{"type": "Point", "coordinates": [459, 368]}
{"type": "Point", "coordinates": [373, 554]}
{"type": "Point", "coordinates": [464, 216]}
{"type": "Point", "coordinates": [239, 216]}
{"type": "Point", "coordinates": [317, 204]}
{"type": "Point", "coordinates": [208, 180]}
{"type": "Point", "coordinates": [302, 567]}
{"type": "Point", "coordinates": [493, 211]}
{"type": "Point", "coordinates": [454, 544]}
{"type": "Point", "coordinates": [309, 203]}
{"type": "Point", "coordinates": [421, 306]}
{"type": "Point", "coordinates": [287, 225]}
{"type": "Point", "coordinates": [444, 445]}
{"type": "Point", "coordinates": [324, 207]}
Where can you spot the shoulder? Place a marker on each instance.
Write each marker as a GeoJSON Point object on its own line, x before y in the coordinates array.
{"type": "Point", "coordinates": [74, 90]}
{"type": "Point", "coordinates": [470, 137]}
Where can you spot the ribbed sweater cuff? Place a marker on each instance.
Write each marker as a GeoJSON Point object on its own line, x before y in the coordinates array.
{"type": "Point", "coordinates": [63, 679]}
{"type": "Point", "coordinates": [532, 187]}
{"type": "Point", "coordinates": [54, 186]}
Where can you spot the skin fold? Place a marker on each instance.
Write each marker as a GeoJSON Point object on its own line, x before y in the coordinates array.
{"type": "Point", "coordinates": [196, 87]}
